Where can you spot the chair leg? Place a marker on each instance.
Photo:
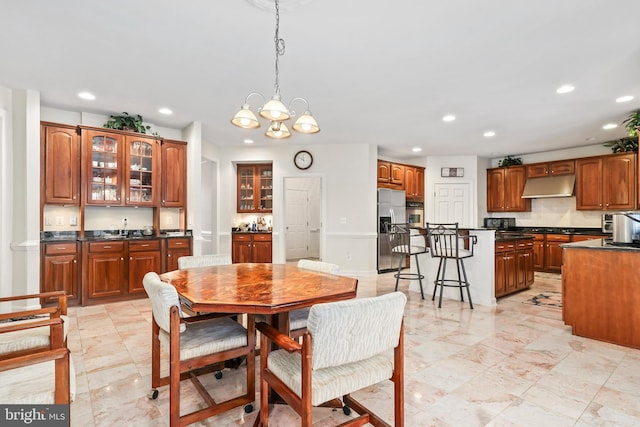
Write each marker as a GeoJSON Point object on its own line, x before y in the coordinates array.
{"type": "Point", "coordinates": [419, 276]}
{"type": "Point", "coordinates": [435, 283]}
{"type": "Point", "coordinates": [444, 271]}
{"type": "Point", "coordinates": [264, 385]}
{"type": "Point", "coordinates": [399, 270]}
{"type": "Point", "coordinates": [458, 262]}
{"type": "Point", "coordinates": [464, 272]}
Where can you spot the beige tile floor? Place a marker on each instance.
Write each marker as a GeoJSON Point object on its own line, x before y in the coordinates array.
{"type": "Point", "coordinates": [512, 365]}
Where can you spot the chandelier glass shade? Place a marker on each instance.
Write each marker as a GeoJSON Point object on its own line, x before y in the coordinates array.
{"type": "Point", "coordinates": [275, 110]}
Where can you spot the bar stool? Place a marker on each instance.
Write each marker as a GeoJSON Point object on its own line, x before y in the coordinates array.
{"type": "Point", "coordinates": [445, 242]}
{"type": "Point", "coordinates": [405, 241]}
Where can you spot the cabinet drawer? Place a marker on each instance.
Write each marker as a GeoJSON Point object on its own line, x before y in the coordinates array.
{"type": "Point", "coordinates": [262, 237]}
{"type": "Point", "coordinates": [558, 237]}
{"type": "Point", "coordinates": [144, 245]}
{"type": "Point", "coordinates": [177, 243]}
{"type": "Point", "coordinates": [106, 247]}
{"type": "Point", "coordinates": [241, 238]}
{"type": "Point", "coordinates": [60, 248]}
{"type": "Point", "coordinates": [505, 247]}
{"type": "Point", "coordinates": [524, 244]}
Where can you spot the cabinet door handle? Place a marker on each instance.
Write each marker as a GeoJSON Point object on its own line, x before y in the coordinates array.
{"type": "Point", "coordinates": [74, 197]}
{"type": "Point", "coordinates": [106, 247]}
{"type": "Point", "coordinates": [178, 243]}
{"type": "Point", "coordinates": [169, 255]}
{"type": "Point", "coordinates": [130, 258]}
{"type": "Point", "coordinates": [121, 259]}
{"type": "Point", "coordinates": [144, 246]}
{"type": "Point", "coordinates": [75, 261]}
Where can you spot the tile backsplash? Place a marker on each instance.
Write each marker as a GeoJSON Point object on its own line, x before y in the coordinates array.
{"type": "Point", "coordinates": [555, 212]}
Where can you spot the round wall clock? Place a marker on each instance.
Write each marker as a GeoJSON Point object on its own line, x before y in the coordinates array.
{"type": "Point", "coordinates": [303, 159]}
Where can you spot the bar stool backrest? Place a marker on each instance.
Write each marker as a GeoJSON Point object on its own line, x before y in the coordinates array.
{"type": "Point", "coordinates": [445, 241]}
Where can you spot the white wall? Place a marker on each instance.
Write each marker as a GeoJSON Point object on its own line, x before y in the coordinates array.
{"type": "Point", "coordinates": [6, 193]}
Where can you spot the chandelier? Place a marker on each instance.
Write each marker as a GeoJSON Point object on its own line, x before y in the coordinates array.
{"type": "Point", "coordinates": [274, 110]}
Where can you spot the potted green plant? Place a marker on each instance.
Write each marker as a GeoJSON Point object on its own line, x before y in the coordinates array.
{"type": "Point", "coordinates": [509, 161]}
{"type": "Point", "coordinates": [127, 122]}
{"type": "Point", "coordinates": [628, 143]}
{"type": "Point", "coordinates": [632, 123]}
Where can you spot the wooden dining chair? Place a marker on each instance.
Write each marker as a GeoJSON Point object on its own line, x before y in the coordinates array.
{"type": "Point", "coordinates": [298, 318]}
{"type": "Point", "coordinates": [194, 344]}
{"type": "Point", "coordinates": [193, 261]}
{"type": "Point", "coordinates": [325, 367]}
{"type": "Point", "coordinates": [35, 363]}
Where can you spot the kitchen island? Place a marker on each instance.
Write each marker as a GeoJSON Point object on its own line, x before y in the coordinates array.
{"type": "Point", "coordinates": [601, 291]}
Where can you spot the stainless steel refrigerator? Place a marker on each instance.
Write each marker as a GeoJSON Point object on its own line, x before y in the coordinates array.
{"type": "Point", "coordinates": [391, 210]}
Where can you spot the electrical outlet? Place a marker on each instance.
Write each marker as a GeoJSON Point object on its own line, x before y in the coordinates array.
{"type": "Point", "coordinates": [73, 220]}
{"type": "Point", "coordinates": [59, 220]}
{"type": "Point", "coordinates": [47, 220]}
{"type": "Point", "coordinates": [169, 220]}
{"type": "Point", "coordinates": [124, 221]}
{"type": "Point", "coordinates": [348, 256]}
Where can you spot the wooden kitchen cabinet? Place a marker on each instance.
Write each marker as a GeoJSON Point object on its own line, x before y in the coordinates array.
{"type": "Point", "coordinates": [173, 174]}
{"type": "Point", "coordinates": [59, 271]}
{"type": "Point", "coordinates": [504, 190]}
{"type": "Point", "coordinates": [121, 169]}
{"type": "Point", "coordinates": [538, 252]}
{"type": "Point", "coordinates": [255, 188]}
{"type": "Point", "coordinates": [175, 247]}
{"type": "Point", "coordinates": [144, 256]}
{"type": "Point", "coordinates": [505, 268]}
{"type": "Point", "coordinates": [251, 247]}
{"type": "Point", "coordinates": [560, 167]}
{"type": "Point", "coordinates": [391, 175]}
{"type": "Point", "coordinates": [60, 165]}
{"type": "Point", "coordinates": [606, 182]}
{"type": "Point", "coordinates": [513, 266]}
{"type": "Point", "coordinates": [414, 183]}
{"type": "Point", "coordinates": [553, 251]}
{"type": "Point", "coordinates": [105, 271]}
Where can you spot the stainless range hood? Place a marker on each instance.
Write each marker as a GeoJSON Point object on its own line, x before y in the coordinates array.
{"type": "Point", "coordinates": [549, 186]}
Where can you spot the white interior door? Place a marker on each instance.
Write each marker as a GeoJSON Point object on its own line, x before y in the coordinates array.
{"type": "Point", "coordinates": [297, 223]}
{"type": "Point", "coordinates": [453, 204]}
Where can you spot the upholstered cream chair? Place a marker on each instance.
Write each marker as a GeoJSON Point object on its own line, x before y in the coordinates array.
{"type": "Point", "coordinates": [203, 261]}
{"type": "Point", "coordinates": [193, 343]}
{"type": "Point", "coordinates": [35, 364]}
{"type": "Point", "coordinates": [345, 349]}
{"type": "Point", "coordinates": [298, 318]}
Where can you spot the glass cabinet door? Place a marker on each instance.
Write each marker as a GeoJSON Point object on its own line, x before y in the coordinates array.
{"type": "Point", "coordinates": [245, 188]}
{"type": "Point", "coordinates": [140, 172]}
{"type": "Point", "coordinates": [266, 188]}
{"type": "Point", "coordinates": [104, 185]}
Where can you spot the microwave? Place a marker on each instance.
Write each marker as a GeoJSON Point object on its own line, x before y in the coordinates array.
{"type": "Point", "coordinates": [415, 214]}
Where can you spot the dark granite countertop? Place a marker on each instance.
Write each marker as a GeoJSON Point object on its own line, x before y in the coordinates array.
{"type": "Point", "coordinates": [102, 235]}
{"type": "Point", "coordinates": [602, 244]}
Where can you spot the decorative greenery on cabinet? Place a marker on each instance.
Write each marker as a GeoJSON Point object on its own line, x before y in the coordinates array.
{"type": "Point", "coordinates": [127, 122]}
{"type": "Point", "coordinates": [509, 161]}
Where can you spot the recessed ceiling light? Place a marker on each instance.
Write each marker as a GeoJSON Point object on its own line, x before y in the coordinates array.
{"type": "Point", "coordinates": [625, 98]}
{"type": "Point", "coordinates": [416, 149]}
{"type": "Point", "coordinates": [449, 118]}
{"type": "Point", "coordinates": [87, 95]}
{"type": "Point", "coordinates": [565, 89]}
{"type": "Point", "coordinates": [489, 134]}
{"type": "Point", "coordinates": [248, 141]}
{"type": "Point", "coordinates": [610, 126]}
{"type": "Point", "coordinates": [165, 111]}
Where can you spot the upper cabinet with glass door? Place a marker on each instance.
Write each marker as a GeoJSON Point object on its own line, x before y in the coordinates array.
{"type": "Point", "coordinates": [255, 188]}
{"type": "Point", "coordinates": [103, 154]}
{"type": "Point", "coordinates": [123, 169]}
{"type": "Point", "coordinates": [141, 172]}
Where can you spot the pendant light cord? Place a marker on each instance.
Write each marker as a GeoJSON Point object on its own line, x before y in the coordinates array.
{"type": "Point", "coordinates": [279, 43]}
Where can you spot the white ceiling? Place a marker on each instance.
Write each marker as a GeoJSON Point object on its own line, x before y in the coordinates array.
{"type": "Point", "coordinates": [378, 72]}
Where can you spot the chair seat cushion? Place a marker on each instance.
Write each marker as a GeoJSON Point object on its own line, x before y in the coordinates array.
{"type": "Point", "coordinates": [298, 319]}
{"type": "Point", "coordinates": [33, 384]}
{"type": "Point", "coordinates": [28, 338]}
{"type": "Point", "coordinates": [208, 336]}
{"type": "Point", "coordinates": [333, 382]}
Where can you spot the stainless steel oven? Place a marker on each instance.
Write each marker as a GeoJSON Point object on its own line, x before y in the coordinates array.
{"type": "Point", "coordinates": [415, 214]}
